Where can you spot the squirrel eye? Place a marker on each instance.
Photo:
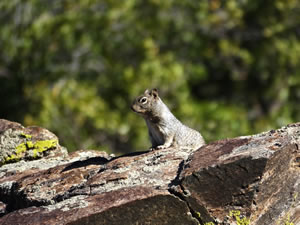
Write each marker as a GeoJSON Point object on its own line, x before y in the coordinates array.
{"type": "Point", "coordinates": [143, 100]}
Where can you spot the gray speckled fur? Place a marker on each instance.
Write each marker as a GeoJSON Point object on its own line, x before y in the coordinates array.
{"type": "Point", "coordinates": [165, 130]}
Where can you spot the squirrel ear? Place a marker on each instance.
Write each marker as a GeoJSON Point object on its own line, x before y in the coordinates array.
{"type": "Point", "coordinates": [146, 92]}
{"type": "Point", "coordinates": [154, 92]}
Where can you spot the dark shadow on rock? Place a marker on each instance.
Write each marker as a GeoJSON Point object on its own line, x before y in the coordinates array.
{"type": "Point", "coordinates": [176, 180]}
{"type": "Point", "coordinates": [91, 161]}
{"type": "Point", "coordinates": [130, 154]}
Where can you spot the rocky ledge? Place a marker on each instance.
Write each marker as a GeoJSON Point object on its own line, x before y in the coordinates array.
{"type": "Point", "coordinates": [244, 180]}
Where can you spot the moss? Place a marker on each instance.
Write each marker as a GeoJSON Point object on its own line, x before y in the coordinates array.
{"type": "Point", "coordinates": [236, 214]}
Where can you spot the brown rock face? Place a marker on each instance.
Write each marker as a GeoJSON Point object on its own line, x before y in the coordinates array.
{"type": "Point", "coordinates": [252, 179]}
{"type": "Point", "coordinates": [256, 176]}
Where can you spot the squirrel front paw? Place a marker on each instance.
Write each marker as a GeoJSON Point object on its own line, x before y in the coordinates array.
{"type": "Point", "coordinates": [158, 147]}
{"type": "Point", "coordinates": [151, 149]}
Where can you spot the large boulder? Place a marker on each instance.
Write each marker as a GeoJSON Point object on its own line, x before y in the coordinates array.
{"type": "Point", "coordinates": [254, 178]}
{"type": "Point", "coordinates": [19, 143]}
{"type": "Point", "coordinates": [244, 180]}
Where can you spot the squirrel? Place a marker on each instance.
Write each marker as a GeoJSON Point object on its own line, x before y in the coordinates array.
{"type": "Point", "coordinates": [164, 129]}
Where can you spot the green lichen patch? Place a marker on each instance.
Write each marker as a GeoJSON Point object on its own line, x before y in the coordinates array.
{"type": "Point", "coordinates": [29, 144]}
{"type": "Point", "coordinates": [20, 149]}
{"type": "Point", "coordinates": [41, 146]}
{"type": "Point", "coordinates": [27, 136]}
{"type": "Point", "coordinates": [198, 214]}
{"type": "Point", "coordinates": [31, 149]}
{"type": "Point", "coordinates": [11, 159]}
{"type": "Point", "coordinates": [286, 221]}
{"type": "Point", "coordinates": [16, 145]}
{"type": "Point", "coordinates": [240, 220]}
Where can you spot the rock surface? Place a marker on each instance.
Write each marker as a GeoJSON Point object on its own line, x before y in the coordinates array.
{"type": "Point", "coordinates": [20, 143]}
{"type": "Point", "coordinates": [244, 180]}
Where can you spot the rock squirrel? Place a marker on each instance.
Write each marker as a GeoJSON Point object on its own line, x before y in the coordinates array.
{"type": "Point", "coordinates": [164, 129]}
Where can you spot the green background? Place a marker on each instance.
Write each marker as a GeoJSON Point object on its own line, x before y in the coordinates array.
{"type": "Point", "coordinates": [226, 68]}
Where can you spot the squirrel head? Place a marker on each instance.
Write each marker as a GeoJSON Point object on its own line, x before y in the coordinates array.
{"type": "Point", "coordinates": [146, 103]}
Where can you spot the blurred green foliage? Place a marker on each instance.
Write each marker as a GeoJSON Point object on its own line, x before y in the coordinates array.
{"type": "Point", "coordinates": [224, 67]}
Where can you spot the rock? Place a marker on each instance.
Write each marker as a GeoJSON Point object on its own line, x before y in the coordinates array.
{"type": "Point", "coordinates": [19, 143]}
{"type": "Point", "coordinates": [234, 181]}
{"type": "Point", "coordinates": [256, 177]}
{"type": "Point", "coordinates": [124, 206]}
{"type": "Point", "coordinates": [2, 208]}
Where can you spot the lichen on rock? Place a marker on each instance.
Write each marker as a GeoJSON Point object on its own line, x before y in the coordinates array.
{"type": "Point", "coordinates": [12, 146]}
{"type": "Point", "coordinates": [20, 143]}
{"type": "Point", "coordinates": [39, 147]}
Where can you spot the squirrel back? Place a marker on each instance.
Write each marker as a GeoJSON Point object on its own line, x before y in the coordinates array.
{"type": "Point", "coordinates": [164, 129]}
